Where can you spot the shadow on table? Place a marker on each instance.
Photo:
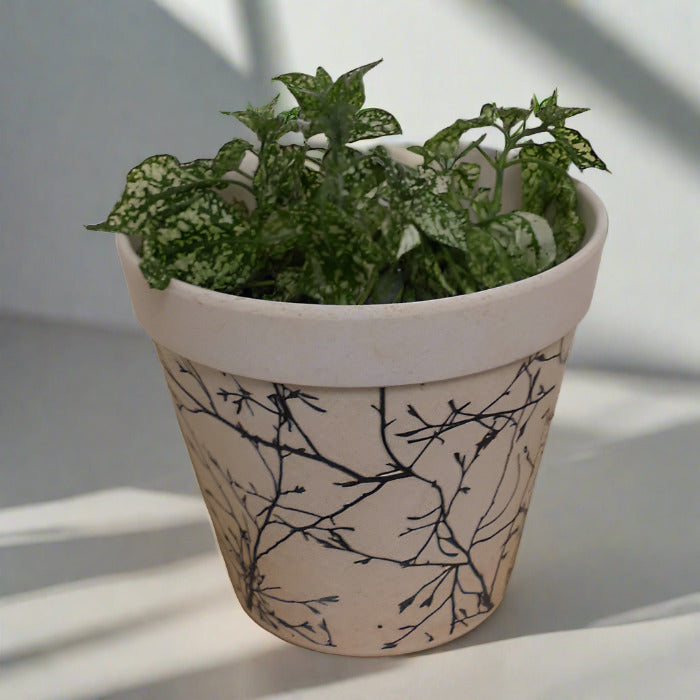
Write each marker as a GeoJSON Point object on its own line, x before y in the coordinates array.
{"type": "Point", "coordinates": [610, 529]}
{"type": "Point", "coordinates": [40, 565]}
{"type": "Point", "coordinates": [268, 673]}
{"type": "Point", "coordinates": [100, 632]}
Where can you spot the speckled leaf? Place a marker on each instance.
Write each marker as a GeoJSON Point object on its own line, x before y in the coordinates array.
{"type": "Point", "coordinates": [196, 243]}
{"type": "Point", "coordinates": [527, 237]}
{"type": "Point", "coordinates": [373, 123]}
{"type": "Point", "coordinates": [465, 175]}
{"type": "Point", "coordinates": [142, 199]}
{"type": "Point", "coordinates": [337, 225]}
{"type": "Point", "coordinates": [298, 83]}
{"type": "Point", "coordinates": [197, 170]}
{"type": "Point", "coordinates": [567, 225]}
{"type": "Point", "coordinates": [547, 189]}
{"type": "Point", "coordinates": [512, 115]}
{"type": "Point", "coordinates": [543, 166]}
{"type": "Point", "coordinates": [578, 148]}
{"type": "Point", "coordinates": [446, 142]}
{"type": "Point", "coordinates": [264, 121]}
{"type": "Point", "coordinates": [278, 175]}
{"type": "Point", "coordinates": [279, 228]}
{"type": "Point", "coordinates": [419, 150]}
{"type": "Point", "coordinates": [550, 113]}
{"type": "Point", "coordinates": [307, 90]}
{"type": "Point", "coordinates": [323, 78]}
{"type": "Point", "coordinates": [230, 156]}
{"type": "Point", "coordinates": [480, 206]}
{"type": "Point", "coordinates": [438, 221]}
{"type": "Point", "coordinates": [488, 113]}
{"type": "Point", "coordinates": [349, 88]}
{"type": "Point", "coordinates": [343, 276]}
{"type": "Point", "coordinates": [543, 245]}
{"type": "Point", "coordinates": [363, 175]}
{"type": "Point", "coordinates": [340, 263]}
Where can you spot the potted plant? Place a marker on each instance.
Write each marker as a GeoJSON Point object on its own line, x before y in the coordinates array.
{"type": "Point", "coordinates": [364, 347]}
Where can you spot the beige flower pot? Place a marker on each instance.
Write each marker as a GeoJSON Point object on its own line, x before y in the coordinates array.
{"type": "Point", "coordinates": [368, 469]}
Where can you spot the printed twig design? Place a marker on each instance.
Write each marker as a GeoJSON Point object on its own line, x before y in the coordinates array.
{"type": "Point", "coordinates": [256, 517]}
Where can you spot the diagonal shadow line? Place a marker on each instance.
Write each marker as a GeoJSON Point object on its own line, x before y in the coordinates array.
{"type": "Point", "coordinates": [113, 629]}
{"type": "Point", "coordinates": [569, 32]}
{"type": "Point", "coordinates": [270, 673]}
{"type": "Point", "coordinates": [264, 39]}
{"type": "Point", "coordinates": [633, 367]}
{"type": "Point", "coordinates": [26, 567]}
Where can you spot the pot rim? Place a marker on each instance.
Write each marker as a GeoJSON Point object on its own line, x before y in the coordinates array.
{"type": "Point", "coordinates": [377, 344]}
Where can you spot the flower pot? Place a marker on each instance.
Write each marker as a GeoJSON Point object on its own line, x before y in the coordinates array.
{"type": "Point", "coordinates": [368, 469]}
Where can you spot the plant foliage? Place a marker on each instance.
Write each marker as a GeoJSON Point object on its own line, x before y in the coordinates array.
{"type": "Point", "coordinates": [334, 223]}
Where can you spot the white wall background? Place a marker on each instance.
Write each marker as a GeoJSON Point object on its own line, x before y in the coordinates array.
{"type": "Point", "coordinates": [89, 89]}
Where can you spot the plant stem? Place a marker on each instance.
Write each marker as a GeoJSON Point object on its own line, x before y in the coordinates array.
{"type": "Point", "coordinates": [486, 156]}
{"type": "Point", "coordinates": [499, 165]}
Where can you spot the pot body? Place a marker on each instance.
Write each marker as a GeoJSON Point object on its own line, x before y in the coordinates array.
{"type": "Point", "coordinates": [368, 469]}
{"type": "Point", "coordinates": [368, 521]}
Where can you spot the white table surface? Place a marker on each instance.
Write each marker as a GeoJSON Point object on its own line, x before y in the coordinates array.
{"type": "Point", "coordinates": [111, 586]}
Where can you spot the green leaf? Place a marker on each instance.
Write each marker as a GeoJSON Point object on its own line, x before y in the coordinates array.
{"type": "Point", "coordinates": [489, 113]}
{"type": "Point", "coordinates": [465, 176]}
{"type": "Point", "coordinates": [307, 90]}
{"type": "Point", "coordinates": [512, 115]}
{"type": "Point", "coordinates": [230, 156]}
{"type": "Point", "coordinates": [550, 113]}
{"type": "Point", "coordinates": [543, 166]}
{"type": "Point", "coordinates": [410, 239]}
{"type": "Point", "coordinates": [446, 142]}
{"type": "Point", "coordinates": [279, 177]}
{"type": "Point", "coordinates": [373, 123]}
{"type": "Point", "coordinates": [349, 88]}
{"type": "Point", "coordinates": [578, 148]}
{"type": "Point", "coordinates": [438, 221]}
{"type": "Point", "coordinates": [265, 122]}
{"type": "Point", "coordinates": [323, 78]}
{"type": "Point", "coordinates": [548, 190]}
{"type": "Point", "coordinates": [567, 225]}
{"type": "Point", "coordinates": [338, 225]}
{"type": "Point", "coordinates": [197, 243]}
{"type": "Point", "coordinates": [527, 237]}
{"type": "Point", "coordinates": [142, 199]}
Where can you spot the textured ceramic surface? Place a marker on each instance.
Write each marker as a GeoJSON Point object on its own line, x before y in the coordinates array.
{"type": "Point", "coordinates": [368, 521]}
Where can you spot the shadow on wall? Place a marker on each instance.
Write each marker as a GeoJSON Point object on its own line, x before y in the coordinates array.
{"type": "Point", "coordinates": [87, 90]}
{"type": "Point", "coordinates": [566, 29]}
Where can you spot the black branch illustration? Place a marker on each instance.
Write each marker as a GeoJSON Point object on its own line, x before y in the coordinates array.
{"type": "Point", "coordinates": [256, 517]}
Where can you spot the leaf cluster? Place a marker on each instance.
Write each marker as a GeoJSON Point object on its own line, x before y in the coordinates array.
{"type": "Point", "coordinates": [335, 223]}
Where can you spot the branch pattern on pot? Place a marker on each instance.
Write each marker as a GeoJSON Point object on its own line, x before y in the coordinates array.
{"type": "Point", "coordinates": [401, 507]}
